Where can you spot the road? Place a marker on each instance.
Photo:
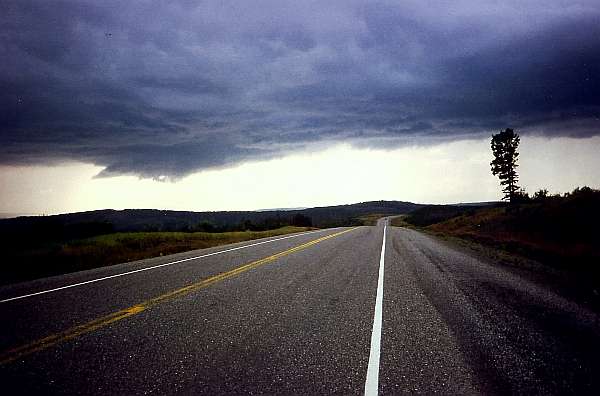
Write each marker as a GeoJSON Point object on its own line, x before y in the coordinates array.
{"type": "Point", "coordinates": [316, 313]}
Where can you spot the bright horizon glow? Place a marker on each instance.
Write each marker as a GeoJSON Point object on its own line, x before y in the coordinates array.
{"type": "Point", "coordinates": [445, 173]}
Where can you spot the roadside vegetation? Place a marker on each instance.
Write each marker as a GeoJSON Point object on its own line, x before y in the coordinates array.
{"type": "Point", "coordinates": [557, 229]}
{"type": "Point", "coordinates": [543, 233]}
{"type": "Point", "coordinates": [369, 220]}
{"type": "Point", "coordinates": [432, 214]}
{"type": "Point", "coordinates": [550, 228]}
{"type": "Point", "coordinates": [41, 246]}
{"type": "Point", "coordinates": [58, 257]}
{"type": "Point", "coordinates": [98, 222]}
{"type": "Point", "coordinates": [560, 231]}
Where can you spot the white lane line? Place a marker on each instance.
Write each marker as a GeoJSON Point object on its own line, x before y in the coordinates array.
{"type": "Point", "coordinates": [156, 266]}
{"type": "Point", "coordinates": [372, 382]}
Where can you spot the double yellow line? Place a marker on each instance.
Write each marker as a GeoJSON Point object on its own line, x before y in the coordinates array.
{"type": "Point", "coordinates": [46, 342]}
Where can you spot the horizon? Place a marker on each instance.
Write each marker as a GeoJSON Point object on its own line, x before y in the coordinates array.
{"type": "Point", "coordinates": [73, 188]}
{"type": "Point", "coordinates": [8, 215]}
{"type": "Point", "coordinates": [2, 214]}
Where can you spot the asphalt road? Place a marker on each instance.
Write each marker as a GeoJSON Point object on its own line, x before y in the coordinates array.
{"type": "Point", "coordinates": [296, 316]}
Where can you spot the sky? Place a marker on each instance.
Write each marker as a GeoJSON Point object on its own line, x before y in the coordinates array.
{"type": "Point", "coordinates": [217, 105]}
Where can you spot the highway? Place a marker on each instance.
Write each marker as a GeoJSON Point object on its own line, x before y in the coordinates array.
{"type": "Point", "coordinates": [365, 310]}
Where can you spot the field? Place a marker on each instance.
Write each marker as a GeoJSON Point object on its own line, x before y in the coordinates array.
{"type": "Point", "coordinates": [62, 257]}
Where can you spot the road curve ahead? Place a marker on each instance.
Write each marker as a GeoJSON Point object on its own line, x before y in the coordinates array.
{"type": "Point", "coordinates": [366, 310]}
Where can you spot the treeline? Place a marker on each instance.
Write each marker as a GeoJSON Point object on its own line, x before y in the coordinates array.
{"type": "Point", "coordinates": [582, 204]}
{"type": "Point", "coordinates": [52, 229]}
{"type": "Point", "coordinates": [542, 195]}
{"type": "Point", "coordinates": [25, 230]}
{"type": "Point", "coordinates": [432, 214]}
{"type": "Point", "coordinates": [552, 228]}
{"type": "Point", "coordinates": [556, 229]}
{"type": "Point", "coordinates": [39, 230]}
{"type": "Point", "coordinates": [570, 217]}
{"type": "Point", "coordinates": [270, 223]}
{"type": "Point", "coordinates": [29, 232]}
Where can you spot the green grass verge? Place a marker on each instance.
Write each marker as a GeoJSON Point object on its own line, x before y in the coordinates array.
{"type": "Point", "coordinates": [103, 250]}
{"type": "Point", "coordinates": [555, 237]}
{"type": "Point", "coordinates": [370, 219]}
{"type": "Point", "coordinates": [400, 221]}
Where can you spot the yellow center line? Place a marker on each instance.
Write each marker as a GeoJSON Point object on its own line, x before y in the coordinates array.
{"type": "Point", "coordinates": [47, 342]}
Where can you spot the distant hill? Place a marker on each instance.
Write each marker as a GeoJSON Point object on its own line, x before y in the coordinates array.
{"type": "Point", "coordinates": [9, 215]}
{"type": "Point", "coordinates": [37, 246]}
{"type": "Point", "coordinates": [280, 209]}
{"type": "Point", "coordinates": [84, 224]}
{"type": "Point", "coordinates": [485, 203]}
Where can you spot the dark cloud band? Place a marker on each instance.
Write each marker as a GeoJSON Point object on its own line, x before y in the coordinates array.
{"type": "Point", "coordinates": [165, 89]}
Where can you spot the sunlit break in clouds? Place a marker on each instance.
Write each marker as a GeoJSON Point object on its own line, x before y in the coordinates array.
{"type": "Point", "coordinates": [176, 91]}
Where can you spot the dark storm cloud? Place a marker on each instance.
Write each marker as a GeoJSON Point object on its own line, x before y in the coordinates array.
{"type": "Point", "coordinates": [167, 88]}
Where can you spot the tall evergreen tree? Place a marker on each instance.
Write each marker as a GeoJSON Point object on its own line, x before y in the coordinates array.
{"type": "Point", "coordinates": [504, 148]}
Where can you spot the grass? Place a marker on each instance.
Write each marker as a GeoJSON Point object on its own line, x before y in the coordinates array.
{"type": "Point", "coordinates": [400, 221]}
{"type": "Point", "coordinates": [370, 219]}
{"type": "Point", "coordinates": [524, 233]}
{"type": "Point", "coordinates": [561, 230]}
{"type": "Point", "coordinates": [559, 233]}
{"type": "Point", "coordinates": [432, 214]}
{"type": "Point", "coordinates": [103, 250]}
{"type": "Point", "coordinates": [554, 240]}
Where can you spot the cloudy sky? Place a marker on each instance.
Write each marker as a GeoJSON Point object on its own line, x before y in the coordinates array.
{"type": "Point", "coordinates": [252, 104]}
